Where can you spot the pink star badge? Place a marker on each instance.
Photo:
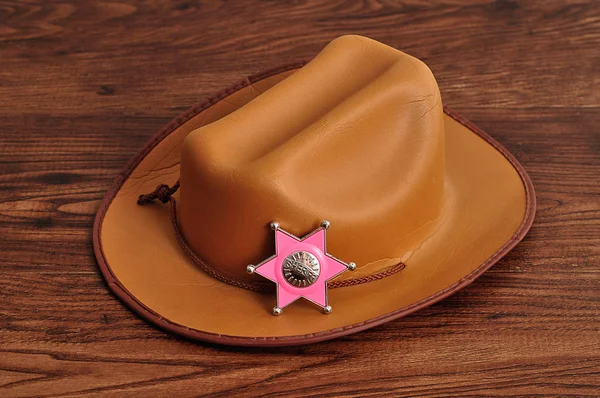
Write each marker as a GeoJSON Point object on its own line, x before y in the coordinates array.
{"type": "Point", "coordinates": [301, 267]}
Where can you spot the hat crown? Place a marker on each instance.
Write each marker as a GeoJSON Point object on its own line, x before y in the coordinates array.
{"type": "Point", "coordinates": [355, 137]}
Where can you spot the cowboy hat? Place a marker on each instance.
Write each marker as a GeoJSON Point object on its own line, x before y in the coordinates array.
{"type": "Point", "coordinates": [337, 194]}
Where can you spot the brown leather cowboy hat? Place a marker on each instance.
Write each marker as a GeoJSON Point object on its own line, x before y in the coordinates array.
{"type": "Point", "coordinates": [418, 201]}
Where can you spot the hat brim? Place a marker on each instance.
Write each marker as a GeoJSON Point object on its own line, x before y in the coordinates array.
{"type": "Point", "coordinates": [490, 207]}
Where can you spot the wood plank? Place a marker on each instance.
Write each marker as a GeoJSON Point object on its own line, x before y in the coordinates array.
{"type": "Point", "coordinates": [84, 84]}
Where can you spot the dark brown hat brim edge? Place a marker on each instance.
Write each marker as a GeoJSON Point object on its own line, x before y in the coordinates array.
{"type": "Point", "coordinates": [130, 300]}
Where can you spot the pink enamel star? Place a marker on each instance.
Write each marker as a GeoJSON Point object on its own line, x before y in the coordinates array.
{"type": "Point", "coordinates": [301, 267]}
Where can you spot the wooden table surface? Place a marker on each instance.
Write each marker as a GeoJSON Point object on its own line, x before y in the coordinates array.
{"type": "Point", "coordinates": [83, 84]}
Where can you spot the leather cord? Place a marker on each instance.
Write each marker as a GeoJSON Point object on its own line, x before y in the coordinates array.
{"type": "Point", "coordinates": [164, 193]}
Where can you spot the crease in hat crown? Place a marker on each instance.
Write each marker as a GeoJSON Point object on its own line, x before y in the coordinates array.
{"type": "Point", "coordinates": [324, 143]}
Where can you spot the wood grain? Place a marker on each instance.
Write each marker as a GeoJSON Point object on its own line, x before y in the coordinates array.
{"type": "Point", "coordinates": [84, 84]}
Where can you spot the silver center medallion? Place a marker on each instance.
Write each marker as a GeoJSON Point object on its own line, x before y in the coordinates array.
{"type": "Point", "coordinates": [301, 269]}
